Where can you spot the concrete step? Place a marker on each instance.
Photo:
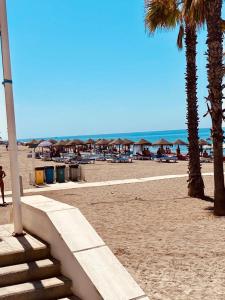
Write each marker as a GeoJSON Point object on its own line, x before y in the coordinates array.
{"type": "Point", "coordinates": [22, 249]}
{"type": "Point", "coordinates": [31, 271]}
{"type": "Point", "coordinates": [51, 288]}
{"type": "Point", "coordinates": [69, 298]}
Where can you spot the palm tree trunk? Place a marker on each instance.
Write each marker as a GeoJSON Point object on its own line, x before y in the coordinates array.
{"type": "Point", "coordinates": [215, 97]}
{"type": "Point", "coordinates": [195, 181]}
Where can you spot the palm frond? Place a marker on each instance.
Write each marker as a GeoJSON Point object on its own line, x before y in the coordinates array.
{"type": "Point", "coordinates": [223, 25]}
{"type": "Point", "coordinates": [195, 12]}
{"type": "Point", "coordinates": [180, 37]}
{"type": "Point", "coordinates": [161, 14]}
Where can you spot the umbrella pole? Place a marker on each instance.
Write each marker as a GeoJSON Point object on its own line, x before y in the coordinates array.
{"type": "Point", "coordinates": [13, 151]}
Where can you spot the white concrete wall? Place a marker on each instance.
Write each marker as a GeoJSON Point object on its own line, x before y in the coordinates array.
{"type": "Point", "coordinates": [86, 260]}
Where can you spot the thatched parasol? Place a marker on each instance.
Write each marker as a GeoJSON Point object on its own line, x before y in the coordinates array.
{"type": "Point", "coordinates": [60, 144]}
{"type": "Point", "coordinates": [90, 142]}
{"type": "Point", "coordinates": [79, 142]}
{"type": "Point", "coordinates": [180, 143]}
{"type": "Point", "coordinates": [70, 143]}
{"type": "Point", "coordinates": [33, 143]}
{"type": "Point", "coordinates": [117, 142]}
{"type": "Point", "coordinates": [203, 142]}
{"type": "Point", "coordinates": [143, 142]}
{"type": "Point", "coordinates": [53, 141]}
{"type": "Point", "coordinates": [128, 142]}
{"type": "Point", "coordinates": [162, 142]}
{"type": "Point", "coordinates": [102, 142]}
{"type": "Point", "coordinates": [75, 143]}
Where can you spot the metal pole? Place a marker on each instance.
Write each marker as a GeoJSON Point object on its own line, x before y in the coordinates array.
{"type": "Point", "coordinates": [13, 151]}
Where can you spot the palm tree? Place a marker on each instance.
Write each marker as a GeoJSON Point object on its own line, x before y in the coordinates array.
{"type": "Point", "coordinates": [167, 14]}
{"type": "Point", "coordinates": [210, 11]}
{"type": "Point", "coordinates": [215, 96]}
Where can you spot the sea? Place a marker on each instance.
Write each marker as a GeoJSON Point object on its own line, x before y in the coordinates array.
{"type": "Point", "coordinates": [152, 136]}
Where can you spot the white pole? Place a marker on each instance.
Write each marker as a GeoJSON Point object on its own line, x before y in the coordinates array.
{"type": "Point", "coordinates": [13, 151]}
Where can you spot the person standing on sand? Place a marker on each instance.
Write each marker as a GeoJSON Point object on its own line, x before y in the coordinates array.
{"type": "Point", "coordinates": [2, 176]}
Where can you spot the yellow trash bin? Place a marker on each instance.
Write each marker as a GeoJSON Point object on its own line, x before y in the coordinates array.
{"type": "Point", "coordinates": [39, 176]}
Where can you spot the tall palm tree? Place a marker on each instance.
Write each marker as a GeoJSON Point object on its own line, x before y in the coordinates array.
{"type": "Point", "coordinates": [215, 96]}
{"type": "Point", "coordinates": [211, 11]}
{"type": "Point", "coordinates": [167, 14]}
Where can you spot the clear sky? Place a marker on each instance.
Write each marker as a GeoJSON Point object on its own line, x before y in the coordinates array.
{"type": "Point", "coordinates": [88, 67]}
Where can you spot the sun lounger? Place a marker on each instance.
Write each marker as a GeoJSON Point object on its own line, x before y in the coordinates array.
{"type": "Point", "coordinates": [141, 157]}
{"type": "Point", "coordinates": [120, 159]}
{"type": "Point", "coordinates": [46, 157]}
{"type": "Point", "coordinates": [206, 159]}
{"type": "Point", "coordinates": [166, 158]}
{"type": "Point", "coordinates": [100, 157]}
{"type": "Point", "coordinates": [182, 157]}
{"type": "Point", "coordinates": [84, 161]}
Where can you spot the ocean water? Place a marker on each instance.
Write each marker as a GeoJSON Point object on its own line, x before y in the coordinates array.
{"type": "Point", "coordinates": [152, 136]}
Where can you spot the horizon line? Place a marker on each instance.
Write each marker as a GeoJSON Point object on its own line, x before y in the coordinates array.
{"type": "Point", "coordinates": [104, 134]}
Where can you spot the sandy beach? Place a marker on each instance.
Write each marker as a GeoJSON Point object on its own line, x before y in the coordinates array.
{"type": "Point", "coordinates": [171, 244]}
{"type": "Point", "coordinates": [100, 171]}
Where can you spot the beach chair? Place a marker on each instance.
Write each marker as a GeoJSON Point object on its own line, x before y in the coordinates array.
{"type": "Point", "coordinates": [46, 156]}
{"type": "Point", "coordinates": [206, 159]}
{"type": "Point", "coordinates": [166, 158]}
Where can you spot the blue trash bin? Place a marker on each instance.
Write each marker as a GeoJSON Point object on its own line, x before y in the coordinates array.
{"type": "Point", "coordinates": [49, 175]}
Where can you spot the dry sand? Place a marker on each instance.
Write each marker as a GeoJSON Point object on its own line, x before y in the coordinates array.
{"type": "Point", "coordinates": [172, 245]}
{"type": "Point", "coordinates": [100, 171]}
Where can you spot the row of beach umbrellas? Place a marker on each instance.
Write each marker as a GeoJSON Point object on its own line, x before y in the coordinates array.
{"type": "Point", "coordinates": [104, 142]}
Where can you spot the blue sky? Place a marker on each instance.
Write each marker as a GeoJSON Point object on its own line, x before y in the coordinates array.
{"type": "Point", "coordinates": [88, 67]}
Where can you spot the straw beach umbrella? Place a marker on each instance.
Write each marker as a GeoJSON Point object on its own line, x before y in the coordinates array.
{"type": "Point", "coordinates": [138, 146]}
{"type": "Point", "coordinates": [102, 142]}
{"type": "Point", "coordinates": [143, 142]}
{"type": "Point", "coordinates": [78, 142]}
{"type": "Point", "coordinates": [128, 142]}
{"type": "Point", "coordinates": [203, 142]}
{"type": "Point", "coordinates": [180, 143]}
{"type": "Point", "coordinates": [70, 144]}
{"type": "Point", "coordinates": [117, 142]}
{"type": "Point", "coordinates": [162, 142]}
{"type": "Point", "coordinates": [90, 142]}
{"type": "Point", "coordinates": [52, 141]}
{"type": "Point", "coordinates": [60, 144]}
{"type": "Point", "coordinates": [75, 143]}
{"type": "Point", "coordinates": [33, 144]}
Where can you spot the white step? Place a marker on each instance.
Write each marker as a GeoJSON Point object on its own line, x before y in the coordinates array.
{"type": "Point", "coordinates": [31, 271]}
{"type": "Point", "coordinates": [50, 288]}
{"type": "Point", "coordinates": [69, 298]}
{"type": "Point", "coordinates": [22, 249]}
